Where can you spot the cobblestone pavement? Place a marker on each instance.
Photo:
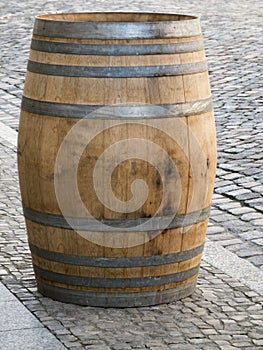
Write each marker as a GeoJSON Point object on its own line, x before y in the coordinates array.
{"type": "Point", "coordinates": [223, 313]}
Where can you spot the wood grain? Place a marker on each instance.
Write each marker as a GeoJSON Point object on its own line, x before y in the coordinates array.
{"type": "Point", "coordinates": [188, 141]}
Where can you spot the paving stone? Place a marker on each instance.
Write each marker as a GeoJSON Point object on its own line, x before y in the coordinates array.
{"type": "Point", "coordinates": [258, 241]}
{"type": "Point", "coordinates": [98, 347]}
{"type": "Point", "coordinates": [258, 189]}
{"type": "Point", "coordinates": [223, 344]}
{"type": "Point", "coordinates": [255, 335]}
{"type": "Point", "coordinates": [75, 346]}
{"type": "Point", "coordinates": [251, 216]}
{"type": "Point", "coordinates": [248, 252]}
{"type": "Point", "coordinates": [211, 230]}
{"type": "Point", "coordinates": [250, 235]}
{"type": "Point", "coordinates": [209, 331]}
{"type": "Point", "coordinates": [221, 237]}
{"type": "Point", "coordinates": [258, 222]}
{"type": "Point", "coordinates": [15, 317]}
{"type": "Point", "coordinates": [227, 189]}
{"type": "Point", "coordinates": [238, 192]}
{"type": "Point", "coordinates": [239, 337]}
{"type": "Point", "coordinates": [5, 295]}
{"type": "Point", "coordinates": [227, 205]}
{"type": "Point", "coordinates": [240, 211]}
{"type": "Point", "coordinates": [30, 339]}
{"type": "Point", "coordinates": [235, 241]}
{"type": "Point", "coordinates": [258, 342]}
{"type": "Point", "coordinates": [231, 176]}
{"type": "Point", "coordinates": [247, 196]}
{"type": "Point", "coordinates": [257, 260]}
{"type": "Point", "coordinates": [255, 203]}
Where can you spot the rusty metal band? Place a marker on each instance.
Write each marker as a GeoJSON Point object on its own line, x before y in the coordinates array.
{"type": "Point", "coordinates": [132, 111]}
{"type": "Point", "coordinates": [116, 49]}
{"type": "Point", "coordinates": [116, 71]}
{"type": "Point", "coordinates": [127, 262]}
{"type": "Point", "coordinates": [117, 30]}
{"type": "Point", "coordinates": [98, 282]}
{"type": "Point", "coordinates": [155, 223]}
{"type": "Point", "coordinates": [116, 299]}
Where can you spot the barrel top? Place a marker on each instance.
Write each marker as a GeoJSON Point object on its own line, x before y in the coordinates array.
{"type": "Point", "coordinates": [115, 17]}
{"type": "Point", "coordinates": [117, 25]}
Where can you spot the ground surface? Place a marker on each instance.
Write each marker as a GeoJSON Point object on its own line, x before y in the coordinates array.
{"type": "Point", "coordinates": [224, 313]}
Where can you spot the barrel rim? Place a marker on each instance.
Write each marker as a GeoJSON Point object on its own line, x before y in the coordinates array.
{"type": "Point", "coordinates": [48, 16]}
{"type": "Point", "coordinates": [117, 30]}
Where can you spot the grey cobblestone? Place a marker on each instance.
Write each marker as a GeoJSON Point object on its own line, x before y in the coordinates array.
{"type": "Point", "coordinates": [222, 313]}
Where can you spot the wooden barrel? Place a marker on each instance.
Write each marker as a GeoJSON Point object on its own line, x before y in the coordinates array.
{"type": "Point", "coordinates": [117, 156]}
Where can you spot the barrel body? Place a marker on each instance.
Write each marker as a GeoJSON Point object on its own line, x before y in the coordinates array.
{"type": "Point", "coordinates": [116, 157]}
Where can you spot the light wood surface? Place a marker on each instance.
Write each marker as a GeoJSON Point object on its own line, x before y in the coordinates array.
{"type": "Point", "coordinates": [189, 141]}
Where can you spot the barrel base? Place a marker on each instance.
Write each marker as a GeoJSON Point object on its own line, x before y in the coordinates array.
{"type": "Point", "coordinates": [117, 299]}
